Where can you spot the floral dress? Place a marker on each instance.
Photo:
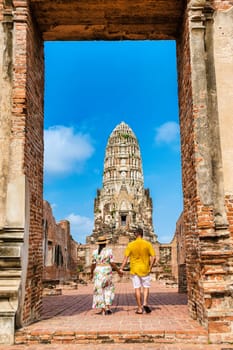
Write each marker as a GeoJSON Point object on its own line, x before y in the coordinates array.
{"type": "Point", "coordinates": [103, 285]}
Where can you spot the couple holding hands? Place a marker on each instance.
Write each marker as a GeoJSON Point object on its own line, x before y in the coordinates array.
{"type": "Point", "coordinates": [142, 257]}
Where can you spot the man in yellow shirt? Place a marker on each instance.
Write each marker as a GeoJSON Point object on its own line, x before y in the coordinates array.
{"type": "Point", "coordinates": [142, 257]}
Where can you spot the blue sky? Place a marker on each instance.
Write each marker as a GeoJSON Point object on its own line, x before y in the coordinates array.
{"type": "Point", "coordinates": [90, 87]}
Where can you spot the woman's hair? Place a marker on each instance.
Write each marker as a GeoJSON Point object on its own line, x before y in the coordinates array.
{"type": "Point", "coordinates": [101, 246]}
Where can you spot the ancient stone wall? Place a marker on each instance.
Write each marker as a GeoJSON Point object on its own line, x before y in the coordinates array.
{"type": "Point", "coordinates": [104, 20]}
{"type": "Point", "coordinates": [174, 259]}
{"type": "Point", "coordinates": [60, 250]}
{"type": "Point", "coordinates": [28, 124]}
{"type": "Point", "coordinates": [206, 228]}
{"type": "Point", "coordinates": [223, 58]}
{"type": "Point", "coordinates": [21, 166]}
{"type": "Point", "coordinates": [187, 147]}
{"type": "Point", "coordinates": [181, 255]}
{"type": "Point", "coordinates": [221, 292]}
{"type": "Point", "coordinates": [9, 282]}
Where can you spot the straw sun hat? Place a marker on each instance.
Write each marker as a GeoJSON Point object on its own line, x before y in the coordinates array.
{"type": "Point", "coordinates": [102, 240]}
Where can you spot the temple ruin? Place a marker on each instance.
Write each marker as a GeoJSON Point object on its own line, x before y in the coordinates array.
{"type": "Point", "coordinates": [60, 251]}
{"type": "Point", "coordinates": [203, 33]}
{"type": "Point", "coordinates": [123, 203]}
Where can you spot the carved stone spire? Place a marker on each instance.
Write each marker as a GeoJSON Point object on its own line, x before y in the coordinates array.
{"type": "Point", "coordinates": [123, 203]}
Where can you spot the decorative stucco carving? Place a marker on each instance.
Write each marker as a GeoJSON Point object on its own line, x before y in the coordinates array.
{"type": "Point", "coordinates": [127, 205]}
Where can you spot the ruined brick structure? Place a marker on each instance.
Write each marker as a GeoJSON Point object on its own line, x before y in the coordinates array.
{"type": "Point", "coordinates": [181, 255]}
{"type": "Point", "coordinates": [123, 203]}
{"type": "Point", "coordinates": [203, 32]}
{"type": "Point", "coordinates": [59, 249]}
{"type": "Point", "coordinates": [206, 165]}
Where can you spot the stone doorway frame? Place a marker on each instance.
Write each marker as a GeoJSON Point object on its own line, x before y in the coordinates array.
{"type": "Point", "coordinates": [203, 32]}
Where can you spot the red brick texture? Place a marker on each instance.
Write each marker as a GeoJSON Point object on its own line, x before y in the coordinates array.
{"type": "Point", "coordinates": [208, 255]}
{"type": "Point", "coordinates": [188, 153]}
{"type": "Point", "coordinates": [60, 250]}
{"type": "Point", "coordinates": [27, 134]}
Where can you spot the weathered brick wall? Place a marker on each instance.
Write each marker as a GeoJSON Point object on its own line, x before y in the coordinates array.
{"type": "Point", "coordinates": [166, 260]}
{"type": "Point", "coordinates": [6, 47]}
{"type": "Point", "coordinates": [188, 162]}
{"type": "Point", "coordinates": [174, 259]}
{"type": "Point", "coordinates": [106, 20]}
{"type": "Point", "coordinates": [27, 143]}
{"type": "Point", "coordinates": [229, 206]}
{"type": "Point", "coordinates": [180, 237]}
{"type": "Point", "coordinates": [60, 250]}
{"type": "Point", "coordinates": [207, 241]}
{"type": "Point", "coordinates": [181, 255]}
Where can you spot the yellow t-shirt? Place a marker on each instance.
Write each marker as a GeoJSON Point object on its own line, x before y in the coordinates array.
{"type": "Point", "coordinates": [139, 252]}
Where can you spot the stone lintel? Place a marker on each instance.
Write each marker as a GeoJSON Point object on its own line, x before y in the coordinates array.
{"type": "Point", "coordinates": [102, 20]}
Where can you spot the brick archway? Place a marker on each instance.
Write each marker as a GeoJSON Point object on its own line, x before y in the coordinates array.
{"type": "Point", "coordinates": [203, 31]}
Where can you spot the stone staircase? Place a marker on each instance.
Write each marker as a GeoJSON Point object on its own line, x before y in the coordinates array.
{"type": "Point", "coordinates": [120, 337]}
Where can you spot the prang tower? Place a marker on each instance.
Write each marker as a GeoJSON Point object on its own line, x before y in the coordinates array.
{"type": "Point", "coordinates": [123, 203]}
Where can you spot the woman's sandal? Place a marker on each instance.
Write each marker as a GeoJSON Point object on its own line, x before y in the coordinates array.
{"type": "Point", "coordinates": [139, 312]}
{"type": "Point", "coordinates": [101, 313]}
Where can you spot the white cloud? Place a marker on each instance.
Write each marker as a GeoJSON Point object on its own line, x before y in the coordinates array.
{"type": "Point", "coordinates": [65, 150]}
{"type": "Point", "coordinates": [53, 206]}
{"type": "Point", "coordinates": [80, 227]}
{"type": "Point", "coordinates": [167, 133]}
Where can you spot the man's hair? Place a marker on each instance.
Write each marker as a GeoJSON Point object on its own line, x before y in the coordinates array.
{"type": "Point", "coordinates": [139, 232]}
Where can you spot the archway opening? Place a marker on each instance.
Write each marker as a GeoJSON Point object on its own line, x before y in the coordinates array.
{"type": "Point", "coordinates": [90, 87]}
{"type": "Point", "coordinates": [203, 32]}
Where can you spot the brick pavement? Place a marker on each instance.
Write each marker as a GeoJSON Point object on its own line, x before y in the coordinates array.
{"type": "Point", "coordinates": [133, 346]}
{"type": "Point", "coordinates": [68, 320]}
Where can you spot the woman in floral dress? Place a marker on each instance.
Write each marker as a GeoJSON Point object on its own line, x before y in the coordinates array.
{"type": "Point", "coordinates": [101, 269]}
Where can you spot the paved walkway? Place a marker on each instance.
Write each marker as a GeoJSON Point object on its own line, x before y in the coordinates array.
{"type": "Point", "coordinates": [68, 320]}
{"type": "Point", "coordinates": [117, 347]}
